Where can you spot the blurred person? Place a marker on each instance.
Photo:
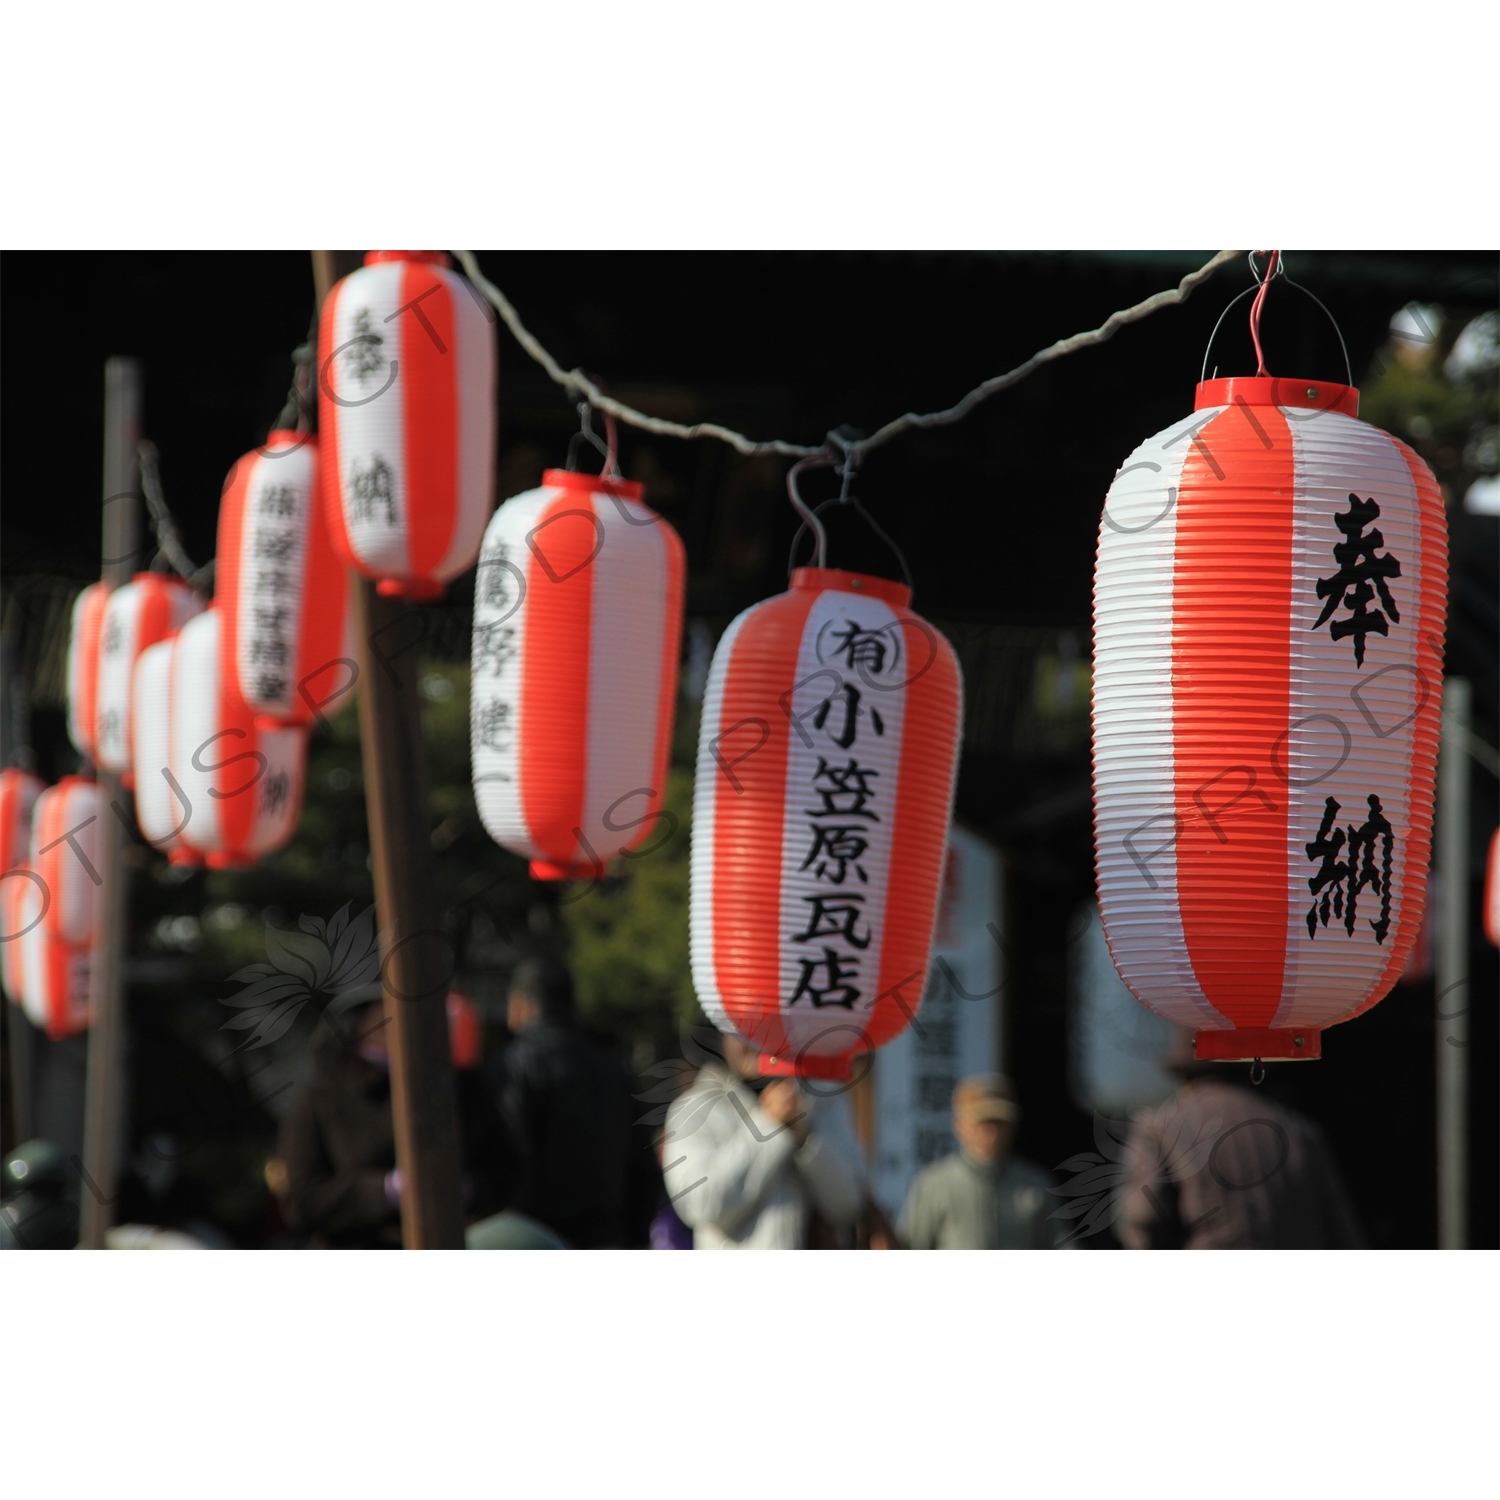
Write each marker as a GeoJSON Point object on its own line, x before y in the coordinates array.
{"type": "Point", "coordinates": [586, 1171]}
{"type": "Point", "coordinates": [983, 1196]}
{"type": "Point", "coordinates": [1222, 1167]}
{"type": "Point", "coordinates": [760, 1163]}
{"type": "Point", "coordinates": [335, 1172]}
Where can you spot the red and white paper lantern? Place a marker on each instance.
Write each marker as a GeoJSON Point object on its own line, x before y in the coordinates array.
{"type": "Point", "coordinates": [18, 793]}
{"type": "Point", "coordinates": [280, 588]}
{"type": "Point", "coordinates": [1492, 890]}
{"type": "Point", "coordinates": [64, 833]}
{"type": "Point", "coordinates": [577, 633]}
{"type": "Point", "coordinates": [47, 978]}
{"type": "Point", "coordinates": [83, 666]}
{"type": "Point", "coordinates": [139, 614]}
{"type": "Point", "coordinates": [826, 766]}
{"type": "Point", "coordinates": [406, 404]}
{"type": "Point", "coordinates": [160, 808]}
{"type": "Point", "coordinates": [1269, 608]}
{"type": "Point", "coordinates": [240, 777]}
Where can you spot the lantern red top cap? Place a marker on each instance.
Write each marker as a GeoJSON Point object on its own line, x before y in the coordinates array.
{"type": "Point", "coordinates": [1278, 390]}
{"type": "Point", "coordinates": [422, 257]}
{"type": "Point", "coordinates": [852, 583]}
{"type": "Point", "coordinates": [592, 484]}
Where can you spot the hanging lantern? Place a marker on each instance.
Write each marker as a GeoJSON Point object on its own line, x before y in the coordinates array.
{"type": "Point", "coordinates": [577, 631]}
{"type": "Point", "coordinates": [240, 777]}
{"type": "Point", "coordinates": [139, 614]}
{"type": "Point", "coordinates": [826, 766]}
{"type": "Point", "coordinates": [14, 885]}
{"type": "Point", "coordinates": [1268, 616]}
{"type": "Point", "coordinates": [46, 977]}
{"type": "Point", "coordinates": [83, 665]}
{"type": "Point", "coordinates": [64, 829]}
{"type": "Point", "coordinates": [160, 809]}
{"type": "Point", "coordinates": [406, 411]}
{"type": "Point", "coordinates": [18, 793]}
{"type": "Point", "coordinates": [279, 586]}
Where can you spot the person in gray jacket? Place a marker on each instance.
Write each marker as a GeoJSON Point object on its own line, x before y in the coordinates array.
{"type": "Point", "coordinates": [982, 1197]}
{"type": "Point", "coordinates": [749, 1161]}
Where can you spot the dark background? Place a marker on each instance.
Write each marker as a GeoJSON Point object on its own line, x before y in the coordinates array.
{"type": "Point", "coordinates": [997, 517]}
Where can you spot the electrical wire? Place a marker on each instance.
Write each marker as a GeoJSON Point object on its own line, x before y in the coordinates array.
{"type": "Point", "coordinates": [1273, 265]}
{"type": "Point", "coordinates": [578, 382]}
{"type": "Point", "coordinates": [168, 538]}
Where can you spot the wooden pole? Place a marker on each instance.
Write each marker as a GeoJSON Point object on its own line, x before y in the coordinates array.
{"type": "Point", "coordinates": [1451, 968]}
{"type": "Point", "coordinates": [415, 969]}
{"type": "Point", "coordinates": [104, 1091]}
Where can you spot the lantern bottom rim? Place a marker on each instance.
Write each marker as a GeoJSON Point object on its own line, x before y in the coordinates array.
{"type": "Point", "coordinates": [836, 1069]}
{"type": "Point", "coordinates": [1259, 1043]}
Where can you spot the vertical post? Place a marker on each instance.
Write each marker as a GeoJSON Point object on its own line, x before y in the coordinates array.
{"type": "Point", "coordinates": [414, 965]}
{"type": "Point", "coordinates": [104, 1095]}
{"type": "Point", "coordinates": [1451, 968]}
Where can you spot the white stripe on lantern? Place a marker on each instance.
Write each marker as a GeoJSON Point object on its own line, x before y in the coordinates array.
{"type": "Point", "coordinates": [474, 404]}
{"type": "Point", "coordinates": [709, 780]}
{"type": "Point", "coordinates": [832, 1030]}
{"type": "Point", "coordinates": [83, 666]}
{"type": "Point", "coordinates": [1135, 790]}
{"type": "Point", "coordinates": [73, 807]}
{"type": "Point", "coordinates": [293, 471]}
{"type": "Point", "coordinates": [158, 810]}
{"type": "Point", "coordinates": [194, 727]}
{"type": "Point", "coordinates": [629, 604]}
{"type": "Point", "coordinates": [366, 379]}
{"type": "Point", "coordinates": [497, 667]}
{"type": "Point", "coordinates": [1323, 972]}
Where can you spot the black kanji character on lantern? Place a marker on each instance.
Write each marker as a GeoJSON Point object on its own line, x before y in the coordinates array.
{"type": "Point", "coordinates": [861, 648]}
{"type": "Point", "coordinates": [838, 969]}
{"type": "Point", "coordinates": [1367, 851]}
{"type": "Point", "coordinates": [1361, 575]}
{"type": "Point", "coordinates": [362, 357]}
{"type": "Point", "coordinates": [848, 724]}
{"type": "Point", "coordinates": [272, 618]}
{"type": "Point", "coordinates": [834, 916]}
{"type": "Point", "coordinates": [373, 488]}
{"type": "Point", "coordinates": [835, 847]}
{"type": "Point", "coordinates": [495, 577]}
{"type": "Point", "coordinates": [269, 650]}
{"type": "Point", "coordinates": [494, 645]}
{"type": "Point", "coordinates": [279, 500]}
{"type": "Point", "coordinates": [277, 545]}
{"type": "Point", "coordinates": [274, 582]}
{"type": "Point", "coordinates": [276, 792]}
{"type": "Point", "coordinates": [493, 722]}
{"type": "Point", "coordinates": [270, 685]}
{"type": "Point", "coordinates": [844, 790]}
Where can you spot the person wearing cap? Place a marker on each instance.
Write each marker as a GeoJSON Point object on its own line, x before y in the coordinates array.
{"type": "Point", "coordinates": [983, 1197]}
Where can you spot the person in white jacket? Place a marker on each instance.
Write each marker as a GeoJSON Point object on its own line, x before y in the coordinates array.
{"type": "Point", "coordinates": [745, 1170]}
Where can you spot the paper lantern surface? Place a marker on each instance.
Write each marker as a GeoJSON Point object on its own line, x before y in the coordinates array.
{"type": "Point", "coordinates": [46, 977]}
{"type": "Point", "coordinates": [241, 778]}
{"type": "Point", "coordinates": [161, 808]}
{"type": "Point", "coordinates": [64, 833]}
{"type": "Point", "coordinates": [1492, 890]}
{"type": "Point", "coordinates": [826, 766]}
{"type": "Point", "coordinates": [577, 633]}
{"type": "Point", "coordinates": [139, 614]}
{"type": "Point", "coordinates": [18, 793]}
{"type": "Point", "coordinates": [1268, 616]}
{"type": "Point", "coordinates": [280, 587]}
{"type": "Point", "coordinates": [406, 402]}
{"type": "Point", "coordinates": [83, 666]}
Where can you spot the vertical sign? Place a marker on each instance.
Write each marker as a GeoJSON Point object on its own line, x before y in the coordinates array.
{"type": "Point", "coordinates": [957, 1031]}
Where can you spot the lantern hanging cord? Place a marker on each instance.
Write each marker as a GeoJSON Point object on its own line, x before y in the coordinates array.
{"type": "Point", "coordinates": [1274, 268]}
{"type": "Point", "coordinates": [579, 383]}
{"type": "Point", "coordinates": [163, 526]}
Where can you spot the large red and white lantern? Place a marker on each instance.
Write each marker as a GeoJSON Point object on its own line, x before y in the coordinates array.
{"type": "Point", "coordinates": [83, 666]}
{"type": "Point", "coordinates": [240, 777]}
{"type": "Point", "coordinates": [64, 834]}
{"type": "Point", "coordinates": [47, 978]}
{"type": "Point", "coordinates": [280, 588]}
{"type": "Point", "coordinates": [1269, 607]}
{"type": "Point", "coordinates": [406, 413]}
{"type": "Point", "coordinates": [826, 766]}
{"type": "Point", "coordinates": [577, 632]}
{"type": "Point", "coordinates": [142, 612]}
{"type": "Point", "coordinates": [18, 793]}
